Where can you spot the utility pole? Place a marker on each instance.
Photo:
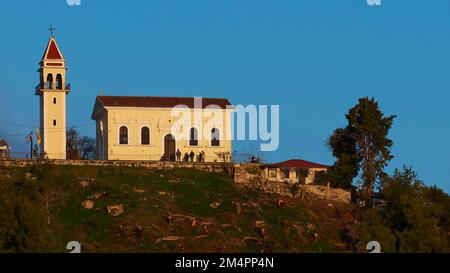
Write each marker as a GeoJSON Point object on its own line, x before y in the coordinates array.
{"type": "Point", "coordinates": [29, 139]}
{"type": "Point", "coordinates": [31, 145]}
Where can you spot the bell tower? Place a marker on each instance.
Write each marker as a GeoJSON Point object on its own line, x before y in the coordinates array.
{"type": "Point", "coordinates": [52, 91]}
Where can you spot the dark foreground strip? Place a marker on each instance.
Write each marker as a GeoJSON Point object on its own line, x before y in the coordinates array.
{"type": "Point", "coordinates": [144, 263]}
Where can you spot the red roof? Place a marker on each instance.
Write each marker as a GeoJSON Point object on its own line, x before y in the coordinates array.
{"type": "Point", "coordinates": [298, 163]}
{"type": "Point", "coordinates": [159, 102]}
{"type": "Point", "coordinates": [52, 51]}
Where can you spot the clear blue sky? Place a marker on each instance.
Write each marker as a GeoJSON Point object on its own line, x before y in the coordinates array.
{"type": "Point", "coordinates": [314, 58]}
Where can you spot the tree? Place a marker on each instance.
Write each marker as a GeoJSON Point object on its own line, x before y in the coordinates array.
{"type": "Point", "coordinates": [72, 144]}
{"type": "Point", "coordinates": [369, 129]}
{"type": "Point", "coordinates": [414, 217]}
{"type": "Point", "coordinates": [362, 147]}
{"type": "Point", "coordinates": [77, 147]}
{"type": "Point", "coordinates": [346, 167]}
{"type": "Point", "coordinates": [3, 142]}
{"type": "Point", "coordinates": [87, 148]}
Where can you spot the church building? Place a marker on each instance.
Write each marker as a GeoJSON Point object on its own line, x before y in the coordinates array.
{"type": "Point", "coordinates": [163, 128]}
{"type": "Point", "coordinates": [134, 128]}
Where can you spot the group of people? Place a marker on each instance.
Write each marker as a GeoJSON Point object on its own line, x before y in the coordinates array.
{"type": "Point", "coordinates": [188, 157]}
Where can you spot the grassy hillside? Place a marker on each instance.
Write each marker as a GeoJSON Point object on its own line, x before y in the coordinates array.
{"type": "Point", "coordinates": [164, 211]}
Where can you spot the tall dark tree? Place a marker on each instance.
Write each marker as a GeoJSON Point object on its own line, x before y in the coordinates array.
{"type": "Point", "coordinates": [370, 128]}
{"type": "Point", "coordinates": [362, 147]}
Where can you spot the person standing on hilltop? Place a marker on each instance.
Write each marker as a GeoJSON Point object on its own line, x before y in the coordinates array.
{"type": "Point", "coordinates": [191, 156]}
{"type": "Point", "coordinates": [178, 155]}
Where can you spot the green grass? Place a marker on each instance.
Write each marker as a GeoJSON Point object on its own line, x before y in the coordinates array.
{"type": "Point", "coordinates": [186, 192]}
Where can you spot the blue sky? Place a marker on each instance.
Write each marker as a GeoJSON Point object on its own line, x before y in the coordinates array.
{"type": "Point", "coordinates": [314, 58]}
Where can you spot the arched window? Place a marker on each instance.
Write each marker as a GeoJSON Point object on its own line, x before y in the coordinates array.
{"type": "Point", "coordinates": [49, 81]}
{"type": "Point", "coordinates": [215, 137]}
{"type": "Point", "coordinates": [193, 138]}
{"type": "Point", "coordinates": [145, 136]}
{"type": "Point", "coordinates": [123, 135]}
{"type": "Point", "coordinates": [59, 81]}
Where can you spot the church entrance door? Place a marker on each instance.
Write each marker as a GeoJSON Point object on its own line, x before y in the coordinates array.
{"type": "Point", "coordinates": [169, 147]}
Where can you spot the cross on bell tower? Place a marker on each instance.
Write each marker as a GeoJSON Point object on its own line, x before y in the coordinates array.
{"type": "Point", "coordinates": [51, 29]}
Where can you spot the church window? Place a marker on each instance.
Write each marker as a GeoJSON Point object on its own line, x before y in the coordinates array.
{"type": "Point", "coordinates": [58, 81]}
{"type": "Point", "coordinates": [54, 100]}
{"type": "Point", "coordinates": [215, 137]}
{"type": "Point", "coordinates": [54, 122]}
{"type": "Point", "coordinates": [123, 135]}
{"type": "Point", "coordinates": [49, 81]}
{"type": "Point", "coordinates": [193, 138]}
{"type": "Point", "coordinates": [145, 136]}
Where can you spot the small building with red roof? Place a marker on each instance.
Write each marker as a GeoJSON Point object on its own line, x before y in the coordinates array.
{"type": "Point", "coordinates": [293, 171]}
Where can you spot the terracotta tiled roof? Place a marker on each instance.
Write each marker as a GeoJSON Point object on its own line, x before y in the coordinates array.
{"type": "Point", "coordinates": [158, 102]}
{"type": "Point", "coordinates": [297, 163]}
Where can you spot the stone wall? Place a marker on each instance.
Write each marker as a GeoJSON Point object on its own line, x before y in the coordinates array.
{"type": "Point", "coordinates": [209, 167]}
{"type": "Point", "coordinates": [308, 192]}
{"type": "Point", "coordinates": [328, 193]}
{"type": "Point", "coordinates": [245, 173]}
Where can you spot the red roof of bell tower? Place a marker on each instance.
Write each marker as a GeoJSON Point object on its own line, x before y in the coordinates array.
{"type": "Point", "coordinates": [52, 51]}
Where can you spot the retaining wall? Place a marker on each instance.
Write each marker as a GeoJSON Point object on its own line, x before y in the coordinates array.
{"type": "Point", "coordinates": [162, 165]}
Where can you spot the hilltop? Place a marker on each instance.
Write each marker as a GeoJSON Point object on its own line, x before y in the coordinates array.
{"type": "Point", "coordinates": [44, 207]}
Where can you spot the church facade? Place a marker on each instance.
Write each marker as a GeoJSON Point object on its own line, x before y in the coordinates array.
{"type": "Point", "coordinates": [163, 128]}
